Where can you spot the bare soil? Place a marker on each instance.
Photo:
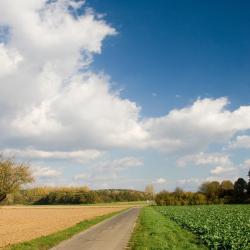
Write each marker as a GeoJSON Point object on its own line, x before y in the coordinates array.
{"type": "Point", "coordinates": [20, 223]}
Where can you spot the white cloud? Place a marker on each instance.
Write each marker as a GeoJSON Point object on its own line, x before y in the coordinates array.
{"type": "Point", "coordinates": [63, 106]}
{"type": "Point", "coordinates": [57, 104]}
{"type": "Point", "coordinates": [9, 60]}
{"type": "Point", "coordinates": [204, 159]}
{"type": "Point", "coordinates": [82, 156]}
{"type": "Point", "coordinates": [80, 177]}
{"type": "Point", "coordinates": [119, 164]}
{"type": "Point", "coordinates": [160, 181]}
{"type": "Point", "coordinates": [192, 181]}
{"type": "Point", "coordinates": [222, 170]}
{"type": "Point", "coordinates": [45, 172]}
{"type": "Point", "coordinates": [193, 128]}
{"type": "Point", "coordinates": [108, 171]}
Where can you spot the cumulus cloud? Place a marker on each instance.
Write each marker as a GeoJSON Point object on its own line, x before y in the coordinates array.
{"type": "Point", "coordinates": [189, 181]}
{"type": "Point", "coordinates": [119, 164]}
{"type": "Point", "coordinates": [9, 60]}
{"type": "Point", "coordinates": [160, 181]}
{"type": "Point", "coordinates": [54, 106]}
{"type": "Point", "coordinates": [222, 170]}
{"type": "Point", "coordinates": [204, 159]}
{"type": "Point", "coordinates": [61, 104]}
{"type": "Point", "coordinates": [81, 156]}
{"type": "Point", "coordinates": [108, 171]}
{"type": "Point", "coordinates": [51, 100]}
{"type": "Point", "coordinates": [45, 172]}
{"type": "Point", "coordinates": [193, 128]}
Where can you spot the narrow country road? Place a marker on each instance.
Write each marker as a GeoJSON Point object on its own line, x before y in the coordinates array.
{"type": "Point", "coordinates": [112, 234]}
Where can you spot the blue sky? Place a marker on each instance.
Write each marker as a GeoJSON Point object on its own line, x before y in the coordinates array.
{"type": "Point", "coordinates": [126, 93]}
{"type": "Point", "coordinates": [187, 48]}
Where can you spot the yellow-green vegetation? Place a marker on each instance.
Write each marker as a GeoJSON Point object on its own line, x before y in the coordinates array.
{"type": "Point", "coordinates": [12, 176]}
{"type": "Point", "coordinates": [218, 226]}
{"type": "Point", "coordinates": [73, 195]}
{"type": "Point", "coordinates": [154, 231]}
{"type": "Point", "coordinates": [49, 241]}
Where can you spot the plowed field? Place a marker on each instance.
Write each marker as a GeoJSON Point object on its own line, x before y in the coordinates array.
{"type": "Point", "coordinates": [18, 224]}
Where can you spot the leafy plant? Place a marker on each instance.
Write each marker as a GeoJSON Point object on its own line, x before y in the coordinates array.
{"type": "Point", "coordinates": [218, 226]}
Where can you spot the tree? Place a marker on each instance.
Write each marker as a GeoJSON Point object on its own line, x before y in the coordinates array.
{"type": "Point", "coordinates": [227, 188]}
{"type": "Point", "coordinates": [248, 185]}
{"type": "Point", "coordinates": [210, 189]}
{"type": "Point", "coordinates": [178, 191]}
{"type": "Point", "coordinates": [149, 189]}
{"type": "Point", "coordinates": [12, 176]}
{"type": "Point", "coordinates": [240, 189]}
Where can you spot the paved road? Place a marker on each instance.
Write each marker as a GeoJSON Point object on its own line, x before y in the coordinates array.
{"type": "Point", "coordinates": [111, 234]}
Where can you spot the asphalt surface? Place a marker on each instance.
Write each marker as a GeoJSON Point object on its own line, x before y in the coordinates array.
{"type": "Point", "coordinates": [111, 234]}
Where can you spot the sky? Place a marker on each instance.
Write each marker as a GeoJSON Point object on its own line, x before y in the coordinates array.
{"type": "Point", "coordinates": [121, 94]}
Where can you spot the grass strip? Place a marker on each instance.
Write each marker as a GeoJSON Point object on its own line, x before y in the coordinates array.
{"type": "Point", "coordinates": [51, 240]}
{"type": "Point", "coordinates": [156, 232]}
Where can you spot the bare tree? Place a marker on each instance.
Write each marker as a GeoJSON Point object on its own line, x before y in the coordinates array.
{"type": "Point", "coordinates": [12, 176]}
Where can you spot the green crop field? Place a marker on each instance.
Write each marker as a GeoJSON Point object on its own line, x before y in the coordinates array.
{"type": "Point", "coordinates": [218, 226]}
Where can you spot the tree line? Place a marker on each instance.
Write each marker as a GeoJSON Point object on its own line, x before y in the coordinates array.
{"type": "Point", "coordinates": [14, 175]}
{"type": "Point", "coordinates": [212, 192]}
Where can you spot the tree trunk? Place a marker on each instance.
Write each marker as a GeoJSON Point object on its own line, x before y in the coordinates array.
{"type": "Point", "coordinates": [2, 197]}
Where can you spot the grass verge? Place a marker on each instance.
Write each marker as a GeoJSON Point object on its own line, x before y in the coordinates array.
{"type": "Point", "coordinates": [49, 241]}
{"type": "Point", "coordinates": [156, 232]}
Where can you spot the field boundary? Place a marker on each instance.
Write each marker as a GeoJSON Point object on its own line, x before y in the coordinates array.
{"type": "Point", "coordinates": [155, 231]}
{"type": "Point", "coordinates": [51, 240]}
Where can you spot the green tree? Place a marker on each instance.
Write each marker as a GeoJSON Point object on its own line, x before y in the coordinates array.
{"type": "Point", "coordinates": [240, 190]}
{"type": "Point", "coordinates": [248, 185]}
{"type": "Point", "coordinates": [211, 190]}
{"type": "Point", "coordinates": [227, 188]}
{"type": "Point", "coordinates": [12, 176]}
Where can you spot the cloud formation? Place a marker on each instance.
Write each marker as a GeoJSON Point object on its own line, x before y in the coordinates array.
{"type": "Point", "coordinates": [45, 172]}
{"type": "Point", "coordinates": [53, 106]}
{"type": "Point", "coordinates": [222, 170]}
{"type": "Point", "coordinates": [108, 172]}
{"type": "Point", "coordinates": [204, 159]}
{"type": "Point", "coordinates": [64, 106]}
{"type": "Point", "coordinates": [194, 128]}
{"type": "Point", "coordinates": [81, 156]}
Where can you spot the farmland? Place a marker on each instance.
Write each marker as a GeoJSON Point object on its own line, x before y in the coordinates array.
{"type": "Point", "coordinates": [154, 231]}
{"type": "Point", "coordinates": [217, 226]}
{"type": "Point", "coordinates": [23, 223]}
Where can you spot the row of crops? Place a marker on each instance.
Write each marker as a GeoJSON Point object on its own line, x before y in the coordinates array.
{"type": "Point", "coordinates": [218, 226]}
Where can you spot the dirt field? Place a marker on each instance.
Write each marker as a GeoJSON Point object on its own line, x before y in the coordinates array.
{"type": "Point", "coordinates": [18, 224]}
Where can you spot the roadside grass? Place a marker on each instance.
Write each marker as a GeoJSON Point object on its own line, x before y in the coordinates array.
{"type": "Point", "coordinates": [156, 232]}
{"type": "Point", "coordinates": [51, 240]}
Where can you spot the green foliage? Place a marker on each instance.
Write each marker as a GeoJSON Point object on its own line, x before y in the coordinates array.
{"type": "Point", "coordinates": [210, 192]}
{"type": "Point", "coordinates": [12, 176]}
{"type": "Point", "coordinates": [211, 189]}
{"type": "Point", "coordinates": [180, 197]}
{"type": "Point", "coordinates": [156, 232]}
{"type": "Point", "coordinates": [219, 227]}
{"type": "Point", "coordinates": [240, 190]}
{"type": "Point", "coordinates": [54, 196]}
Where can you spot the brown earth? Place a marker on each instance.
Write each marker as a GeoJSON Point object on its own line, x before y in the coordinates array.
{"type": "Point", "coordinates": [18, 224]}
